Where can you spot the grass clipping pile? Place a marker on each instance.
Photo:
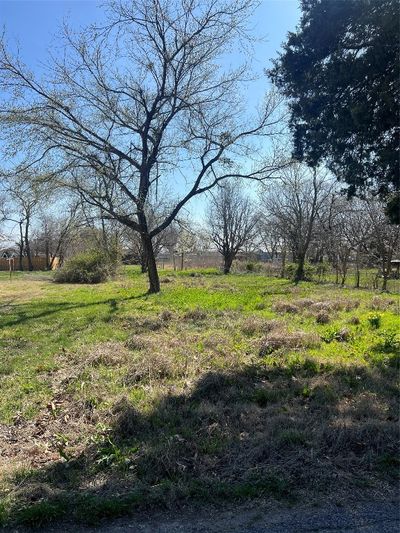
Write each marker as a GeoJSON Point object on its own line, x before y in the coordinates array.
{"type": "Point", "coordinates": [201, 406]}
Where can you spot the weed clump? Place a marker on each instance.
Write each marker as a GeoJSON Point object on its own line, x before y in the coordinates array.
{"type": "Point", "coordinates": [335, 305]}
{"type": "Point", "coordinates": [152, 366]}
{"type": "Point", "coordinates": [322, 318]}
{"type": "Point", "coordinates": [381, 304]}
{"type": "Point", "coordinates": [195, 315]}
{"type": "Point", "coordinates": [277, 340]}
{"type": "Point", "coordinates": [107, 354]}
{"type": "Point", "coordinates": [166, 315]}
{"type": "Point", "coordinates": [148, 324]}
{"type": "Point", "coordinates": [285, 307]}
{"type": "Point", "coordinates": [254, 325]}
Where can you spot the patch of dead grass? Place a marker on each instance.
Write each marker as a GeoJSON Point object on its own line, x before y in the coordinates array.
{"type": "Point", "coordinates": [285, 307]}
{"type": "Point", "coordinates": [285, 340]}
{"type": "Point", "coordinates": [255, 325]}
{"type": "Point", "coordinates": [195, 315]}
{"type": "Point", "coordinates": [378, 303]}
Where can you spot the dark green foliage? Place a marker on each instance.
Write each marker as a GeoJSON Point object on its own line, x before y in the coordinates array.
{"type": "Point", "coordinates": [340, 71]}
{"type": "Point", "coordinates": [309, 271]}
{"type": "Point", "coordinates": [88, 267]}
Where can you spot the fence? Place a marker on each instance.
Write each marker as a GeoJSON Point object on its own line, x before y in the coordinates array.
{"type": "Point", "coordinates": [39, 263]}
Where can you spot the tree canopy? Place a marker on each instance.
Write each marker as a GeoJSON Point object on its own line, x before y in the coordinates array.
{"type": "Point", "coordinates": [340, 72]}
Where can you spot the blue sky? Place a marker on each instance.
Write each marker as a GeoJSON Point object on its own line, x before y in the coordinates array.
{"type": "Point", "coordinates": [33, 25]}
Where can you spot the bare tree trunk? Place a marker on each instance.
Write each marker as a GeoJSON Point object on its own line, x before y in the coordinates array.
{"type": "Point", "coordinates": [228, 260]}
{"type": "Point", "coordinates": [299, 275]}
{"type": "Point", "coordinates": [143, 262]}
{"type": "Point", "coordinates": [21, 247]}
{"type": "Point", "coordinates": [27, 244]}
{"type": "Point", "coordinates": [385, 275]}
{"type": "Point", "coordinates": [47, 252]}
{"type": "Point", "coordinates": [283, 267]}
{"type": "Point", "coordinates": [357, 269]}
{"type": "Point", "coordinates": [182, 262]}
{"type": "Point", "coordinates": [151, 264]}
{"type": "Point", "coordinates": [357, 278]}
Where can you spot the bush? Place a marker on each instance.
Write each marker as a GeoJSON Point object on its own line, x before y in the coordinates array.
{"type": "Point", "coordinates": [88, 267]}
{"type": "Point", "coordinates": [309, 271]}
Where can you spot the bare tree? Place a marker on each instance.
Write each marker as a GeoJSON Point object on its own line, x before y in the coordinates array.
{"type": "Point", "coordinates": [56, 232]}
{"type": "Point", "coordinates": [294, 202]}
{"type": "Point", "coordinates": [270, 236]}
{"type": "Point", "coordinates": [231, 220]}
{"type": "Point", "coordinates": [186, 242]}
{"type": "Point", "coordinates": [331, 234]}
{"type": "Point", "coordinates": [357, 229]}
{"type": "Point", "coordinates": [21, 201]}
{"type": "Point", "coordinates": [384, 238]}
{"type": "Point", "coordinates": [138, 104]}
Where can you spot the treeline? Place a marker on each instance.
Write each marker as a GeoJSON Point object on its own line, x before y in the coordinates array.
{"type": "Point", "coordinates": [297, 218]}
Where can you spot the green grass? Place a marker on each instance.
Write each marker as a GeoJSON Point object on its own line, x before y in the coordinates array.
{"type": "Point", "coordinates": [220, 387]}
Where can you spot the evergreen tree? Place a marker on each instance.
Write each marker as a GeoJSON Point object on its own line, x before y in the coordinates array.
{"type": "Point", "coordinates": [340, 72]}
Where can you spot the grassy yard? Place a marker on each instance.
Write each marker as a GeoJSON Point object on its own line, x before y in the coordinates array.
{"type": "Point", "coordinates": [218, 388]}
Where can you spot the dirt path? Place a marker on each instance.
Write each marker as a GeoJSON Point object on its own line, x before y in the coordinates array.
{"type": "Point", "coordinates": [367, 517]}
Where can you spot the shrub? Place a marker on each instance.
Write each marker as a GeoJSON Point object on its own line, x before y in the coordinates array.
{"type": "Point", "coordinates": [89, 267]}
{"type": "Point", "coordinates": [309, 271]}
{"type": "Point", "coordinates": [252, 266]}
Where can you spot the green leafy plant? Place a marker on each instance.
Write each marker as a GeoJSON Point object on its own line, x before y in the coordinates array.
{"type": "Point", "coordinates": [389, 341]}
{"type": "Point", "coordinates": [374, 320]}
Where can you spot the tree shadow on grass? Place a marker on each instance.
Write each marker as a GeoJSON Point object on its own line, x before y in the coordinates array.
{"type": "Point", "coordinates": [260, 431]}
{"type": "Point", "coordinates": [26, 312]}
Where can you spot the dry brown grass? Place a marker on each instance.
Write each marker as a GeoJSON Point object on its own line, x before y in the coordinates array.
{"type": "Point", "coordinates": [322, 317]}
{"type": "Point", "coordinates": [294, 340]}
{"type": "Point", "coordinates": [378, 303]}
{"type": "Point", "coordinates": [195, 315]}
{"type": "Point", "coordinates": [285, 307]}
{"type": "Point", "coordinates": [255, 325]}
{"type": "Point", "coordinates": [343, 335]}
{"type": "Point", "coordinates": [155, 367]}
{"type": "Point", "coordinates": [106, 353]}
{"type": "Point", "coordinates": [334, 305]}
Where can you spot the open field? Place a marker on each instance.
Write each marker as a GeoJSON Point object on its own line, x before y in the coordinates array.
{"type": "Point", "coordinates": [216, 389]}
